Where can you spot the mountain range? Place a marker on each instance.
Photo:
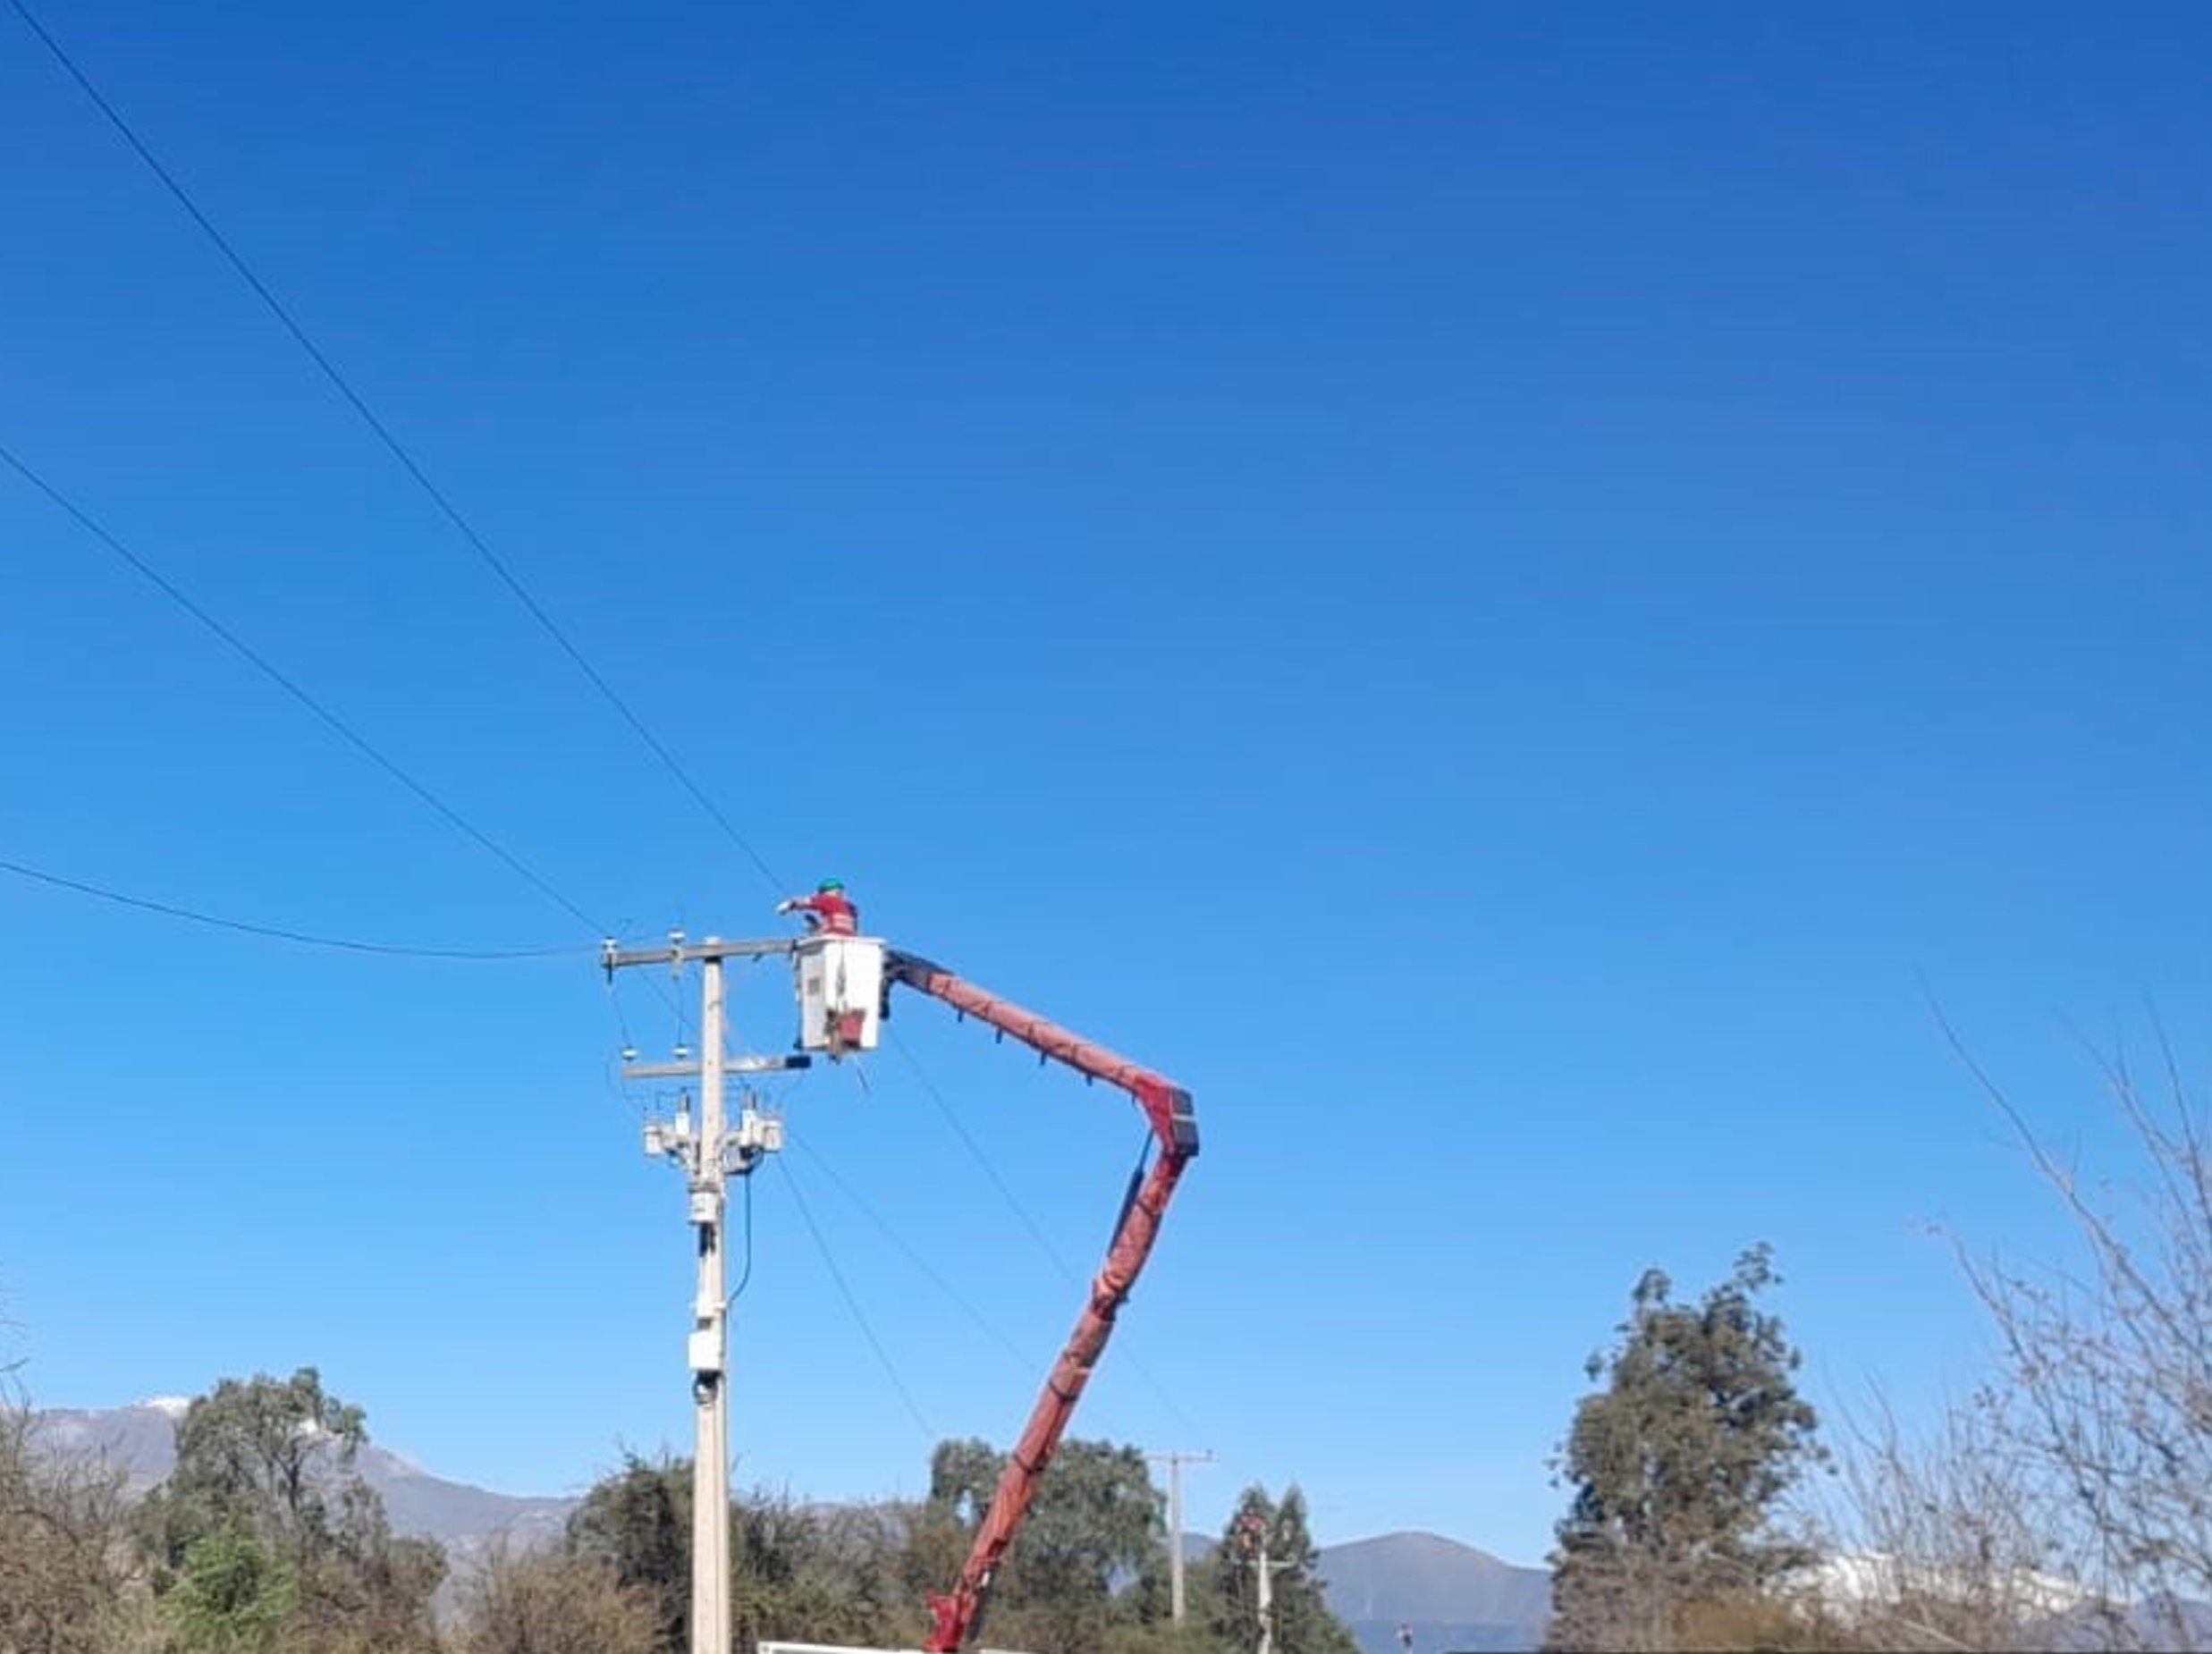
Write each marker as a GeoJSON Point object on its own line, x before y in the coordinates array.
{"type": "Point", "coordinates": [140, 1442]}
{"type": "Point", "coordinates": [1452, 1596]}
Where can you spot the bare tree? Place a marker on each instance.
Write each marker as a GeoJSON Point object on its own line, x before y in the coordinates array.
{"type": "Point", "coordinates": [70, 1581]}
{"type": "Point", "coordinates": [555, 1602]}
{"type": "Point", "coordinates": [1948, 1541]}
{"type": "Point", "coordinates": [2107, 1366]}
{"type": "Point", "coordinates": [2068, 1503]}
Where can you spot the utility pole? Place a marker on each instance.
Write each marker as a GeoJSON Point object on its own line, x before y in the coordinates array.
{"type": "Point", "coordinates": [1255, 1558]}
{"type": "Point", "coordinates": [710, 1337]}
{"type": "Point", "coordinates": [1267, 1599]}
{"type": "Point", "coordinates": [708, 1156]}
{"type": "Point", "coordinates": [1175, 1461]}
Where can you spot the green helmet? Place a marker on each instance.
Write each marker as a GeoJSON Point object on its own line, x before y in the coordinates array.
{"type": "Point", "coordinates": [827, 885]}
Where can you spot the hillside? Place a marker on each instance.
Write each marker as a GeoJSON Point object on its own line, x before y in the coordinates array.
{"type": "Point", "coordinates": [1452, 1595]}
{"type": "Point", "coordinates": [141, 1442]}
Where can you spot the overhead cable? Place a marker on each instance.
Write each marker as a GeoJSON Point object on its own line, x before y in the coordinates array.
{"type": "Point", "coordinates": [391, 443]}
{"type": "Point", "coordinates": [276, 675]}
{"type": "Point", "coordinates": [303, 938]}
{"type": "Point", "coordinates": [928, 1271]}
{"type": "Point", "coordinates": [1050, 1253]}
{"type": "Point", "coordinates": [852, 1303]}
{"type": "Point", "coordinates": [1015, 1203]}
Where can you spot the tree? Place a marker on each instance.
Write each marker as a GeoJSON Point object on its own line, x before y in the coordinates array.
{"type": "Point", "coordinates": [1094, 1524]}
{"type": "Point", "coordinates": [268, 1466]}
{"type": "Point", "coordinates": [1078, 1583]}
{"type": "Point", "coordinates": [69, 1578]}
{"type": "Point", "coordinates": [555, 1602]}
{"type": "Point", "coordinates": [816, 1576]}
{"type": "Point", "coordinates": [1262, 1530]}
{"type": "Point", "coordinates": [234, 1594]}
{"type": "Point", "coordinates": [637, 1523]}
{"type": "Point", "coordinates": [2068, 1501]}
{"type": "Point", "coordinates": [2106, 1375]}
{"type": "Point", "coordinates": [796, 1573]}
{"type": "Point", "coordinates": [273, 1456]}
{"type": "Point", "coordinates": [1162, 1637]}
{"type": "Point", "coordinates": [1677, 1465]}
{"type": "Point", "coordinates": [1941, 1540]}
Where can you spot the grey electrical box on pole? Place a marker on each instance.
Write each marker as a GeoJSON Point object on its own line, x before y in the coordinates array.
{"type": "Point", "coordinates": [708, 1153]}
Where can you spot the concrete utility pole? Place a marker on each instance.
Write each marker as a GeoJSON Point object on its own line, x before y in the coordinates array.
{"type": "Point", "coordinates": [1267, 1601]}
{"type": "Point", "coordinates": [708, 1156]}
{"type": "Point", "coordinates": [710, 1338]}
{"type": "Point", "coordinates": [1255, 1539]}
{"type": "Point", "coordinates": [1175, 1461]}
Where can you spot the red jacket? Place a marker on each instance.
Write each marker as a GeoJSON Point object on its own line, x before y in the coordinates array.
{"type": "Point", "coordinates": [836, 915]}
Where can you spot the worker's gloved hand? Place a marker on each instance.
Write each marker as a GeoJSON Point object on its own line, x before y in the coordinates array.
{"type": "Point", "coordinates": [787, 906]}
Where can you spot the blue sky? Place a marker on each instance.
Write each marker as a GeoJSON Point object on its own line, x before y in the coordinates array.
{"type": "Point", "coordinates": [1504, 590]}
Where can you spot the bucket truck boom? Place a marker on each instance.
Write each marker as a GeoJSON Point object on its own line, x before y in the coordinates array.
{"type": "Point", "coordinates": [844, 986]}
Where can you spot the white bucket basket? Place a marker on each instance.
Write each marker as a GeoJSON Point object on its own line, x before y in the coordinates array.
{"type": "Point", "coordinates": [841, 1000]}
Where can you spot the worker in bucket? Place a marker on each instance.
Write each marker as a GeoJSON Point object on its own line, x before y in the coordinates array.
{"type": "Point", "coordinates": [828, 911]}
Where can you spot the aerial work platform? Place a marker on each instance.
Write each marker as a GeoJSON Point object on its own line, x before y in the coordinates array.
{"type": "Point", "coordinates": [842, 983]}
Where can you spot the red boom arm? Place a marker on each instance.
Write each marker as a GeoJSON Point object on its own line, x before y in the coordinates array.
{"type": "Point", "coordinates": [1167, 1107]}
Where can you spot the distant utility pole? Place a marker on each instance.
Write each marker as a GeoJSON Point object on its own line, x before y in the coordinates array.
{"type": "Point", "coordinates": [708, 1156]}
{"type": "Point", "coordinates": [1255, 1546]}
{"type": "Point", "coordinates": [1174, 1462]}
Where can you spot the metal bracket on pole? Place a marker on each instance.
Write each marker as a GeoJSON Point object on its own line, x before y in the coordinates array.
{"type": "Point", "coordinates": [613, 958]}
{"type": "Point", "coordinates": [735, 1065]}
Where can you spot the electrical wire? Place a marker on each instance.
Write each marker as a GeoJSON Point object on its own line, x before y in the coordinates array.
{"type": "Point", "coordinates": [291, 687]}
{"type": "Point", "coordinates": [680, 1044]}
{"type": "Point", "coordinates": [277, 932]}
{"type": "Point", "coordinates": [989, 1170]}
{"type": "Point", "coordinates": [391, 443]}
{"type": "Point", "coordinates": [1029, 1222]}
{"type": "Point", "coordinates": [927, 1271]}
{"type": "Point", "coordinates": [621, 1018]}
{"type": "Point", "coordinates": [852, 1303]}
{"type": "Point", "coordinates": [744, 1277]}
{"type": "Point", "coordinates": [507, 577]}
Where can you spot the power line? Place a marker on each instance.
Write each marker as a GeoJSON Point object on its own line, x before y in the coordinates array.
{"type": "Point", "coordinates": [976, 1151]}
{"type": "Point", "coordinates": [745, 1279]}
{"type": "Point", "coordinates": [274, 674]}
{"type": "Point", "coordinates": [913, 1255]}
{"type": "Point", "coordinates": [1028, 1221]}
{"type": "Point", "coordinates": [276, 933]}
{"type": "Point", "coordinates": [860, 1317]}
{"type": "Point", "coordinates": [391, 443]}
